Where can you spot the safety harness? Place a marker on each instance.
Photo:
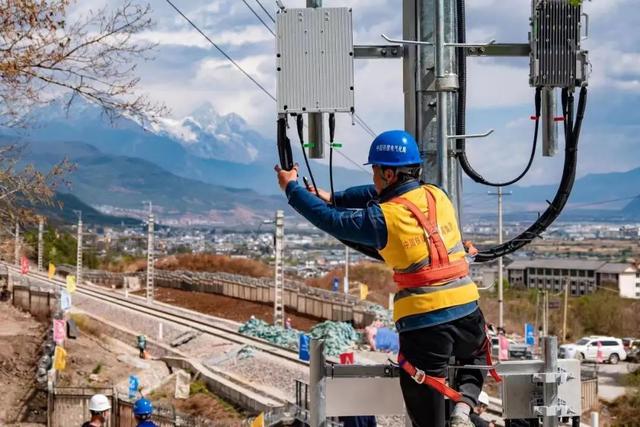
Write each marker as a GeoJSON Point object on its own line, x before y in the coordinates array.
{"type": "Point", "coordinates": [441, 269]}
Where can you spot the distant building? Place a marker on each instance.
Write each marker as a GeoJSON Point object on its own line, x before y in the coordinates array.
{"type": "Point", "coordinates": [585, 277]}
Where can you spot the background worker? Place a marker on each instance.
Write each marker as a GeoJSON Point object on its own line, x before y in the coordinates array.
{"type": "Point", "coordinates": [142, 410]}
{"type": "Point", "coordinates": [100, 408]}
{"type": "Point", "coordinates": [414, 229]}
{"type": "Point", "coordinates": [481, 408]}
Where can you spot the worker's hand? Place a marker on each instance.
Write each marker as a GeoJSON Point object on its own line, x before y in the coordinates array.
{"type": "Point", "coordinates": [324, 195]}
{"type": "Point", "coordinates": [285, 177]}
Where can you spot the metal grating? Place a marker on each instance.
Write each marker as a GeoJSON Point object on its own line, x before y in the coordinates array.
{"type": "Point", "coordinates": [315, 60]}
{"type": "Point", "coordinates": [555, 44]}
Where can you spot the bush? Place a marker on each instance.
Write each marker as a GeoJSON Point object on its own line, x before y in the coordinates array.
{"type": "Point", "coordinates": [215, 263]}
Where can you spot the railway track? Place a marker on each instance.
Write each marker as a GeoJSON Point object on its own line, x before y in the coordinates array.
{"type": "Point", "coordinates": [196, 321]}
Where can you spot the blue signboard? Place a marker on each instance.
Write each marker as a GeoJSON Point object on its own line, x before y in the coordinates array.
{"type": "Point", "coordinates": [303, 348]}
{"type": "Point", "coordinates": [335, 286]}
{"type": "Point", "coordinates": [529, 336]}
{"type": "Point", "coordinates": [134, 383]}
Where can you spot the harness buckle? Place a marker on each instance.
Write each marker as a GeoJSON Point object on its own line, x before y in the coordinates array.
{"type": "Point", "coordinates": [419, 376]}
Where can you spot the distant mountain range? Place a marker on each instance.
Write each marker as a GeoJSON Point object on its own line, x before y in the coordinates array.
{"type": "Point", "coordinates": [208, 167]}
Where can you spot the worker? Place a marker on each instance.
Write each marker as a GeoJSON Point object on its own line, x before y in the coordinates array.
{"type": "Point", "coordinates": [481, 408]}
{"type": "Point", "coordinates": [142, 345]}
{"type": "Point", "coordinates": [99, 408]}
{"type": "Point", "coordinates": [142, 410]}
{"type": "Point", "coordinates": [287, 323]}
{"type": "Point", "coordinates": [414, 228]}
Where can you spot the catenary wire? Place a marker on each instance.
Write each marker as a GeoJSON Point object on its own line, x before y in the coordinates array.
{"type": "Point", "coordinates": [259, 17]}
{"type": "Point", "coordinates": [266, 11]}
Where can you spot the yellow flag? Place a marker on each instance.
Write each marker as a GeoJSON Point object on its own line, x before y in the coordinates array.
{"type": "Point", "coordinates": [258, 421]}
{"type": "Point", "coordinates": [364, 291]}
{"type": "Point", "coordinates": [52, 270]}
{"type": "Point", "coordinates": [71, 283]}
{"type": "Point", "coordinates": [59, 358]}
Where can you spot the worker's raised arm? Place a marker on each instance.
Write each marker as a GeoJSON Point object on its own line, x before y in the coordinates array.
{"type": "Point", "coordinates": [364, 226]}
{"type": "Point", "coordinates": [355, 197]}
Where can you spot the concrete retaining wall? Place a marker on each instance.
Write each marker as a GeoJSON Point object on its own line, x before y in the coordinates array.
{"type": "Point", "coordinates": [297, 297]}
{"type": "Point", "coordinates": [39, 303]}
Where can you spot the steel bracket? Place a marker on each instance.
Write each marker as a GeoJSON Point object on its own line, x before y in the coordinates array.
{"type": "Point", "coordinates": [378, 52]}
{"type": "Point", "coordinates": [560, 377]}
{"type": "Point", "coordinates": [559, 410]}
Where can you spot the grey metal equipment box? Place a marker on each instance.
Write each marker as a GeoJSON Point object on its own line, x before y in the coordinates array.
{"type": "Point", "coordinates": [556, 58]}
{"type": "Point", "coordinates": [520, 392]}
{"type": "Point", "coordinates": [315, 60]}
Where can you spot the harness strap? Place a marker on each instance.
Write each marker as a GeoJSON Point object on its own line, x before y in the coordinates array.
{"type": "Point", "coordinates": [430, 275]}
{"type": "Point", "coordinates": [487, 351]}
{"type": "Point", "coordinates": [437, 249]}
{"type": "Point", "coordinates": [436, 383]}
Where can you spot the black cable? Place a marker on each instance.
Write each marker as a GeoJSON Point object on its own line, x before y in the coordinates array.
{"type": "Point", "coordinates": [259, 18]}
{"type": "Point", "coordinates": [566, 183]}
{"type": "Point", "coordinates": [461, 152]}
{"type": "Point", "coordinates": [266, 11]}
{"type": "Point", "coordinates": [332, 131]}
{"type": "Point", "coordinates": [300, 127]}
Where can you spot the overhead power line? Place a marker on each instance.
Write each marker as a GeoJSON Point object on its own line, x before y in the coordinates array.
{"type": "Point", "coordinates": [266, 11]}
{"type": "Point", "coordinates": [257, 83]}
{"type": "Point", "coordinates": [259, 18]}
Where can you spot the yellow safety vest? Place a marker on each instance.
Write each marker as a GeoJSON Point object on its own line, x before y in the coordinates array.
{"type": "Point", "coordinates": [424, 287]}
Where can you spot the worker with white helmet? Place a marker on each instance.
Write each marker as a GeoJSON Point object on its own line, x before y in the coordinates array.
{"type": "Point", "coordinates": [481, 407]}
{"type": "Point", "coordinates": [100, 407]}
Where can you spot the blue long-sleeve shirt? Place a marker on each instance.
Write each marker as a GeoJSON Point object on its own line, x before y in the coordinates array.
{"type": "Point", "coordinates": [356, 217]}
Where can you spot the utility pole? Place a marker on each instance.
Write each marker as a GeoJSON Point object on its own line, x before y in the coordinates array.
{"type": "Point", "coordinates": [346, 270]}
{"type": "Point", "coordinates": [545, 313]}
{"type": "Point", "coordinates": [79, 254]}
{"type": "Point", "coordinates": [316, 129]}
{"type": "Point", "coordinates": [278, 306]}
{"type": "Point", "coordinates": [16, 245]}
{"type": "Point", "coordinates": [40, 243]}
{"type": "Point", "coordinates": [150, 256]}
{"type": "Point", "coordinates": [566, 305]}
{"type": "Point", "coordinates": [429, 85]}
{"type": "Point", "coordinates": [500, 193]}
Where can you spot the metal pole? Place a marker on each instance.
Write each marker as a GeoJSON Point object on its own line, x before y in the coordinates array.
{"type": "Point", "coordinates": [316, 129]}
{"type": "Point", "coordinates": [500, 285]}
{"type": "Point", "coordinates": [564, 314]}
{"type": "Point", "coordinates": [595, 419]}
{"type": "Point", "coordinates": [150, 258]}
{"type": "Point", "coordinates": [317, 411]}
{"type": "Point", "coordinates": [40, 244]}
{"type": "Point", "coordinates": [429, 84]}
{"type": "Point", "coordinates": [550, 389]}
{"type": "Point", "coordinates": [346, 270]}
{"type": "Point", "coordinates": [16, 245]}
{"type": "Point", "coordinates": [545, 324]}
{"type": "Point", "coordinates": [443, 128]}
{"type": "Point", "coordinates": [278, 306]}
{"type": "Point", "coordinates": [79, 254]}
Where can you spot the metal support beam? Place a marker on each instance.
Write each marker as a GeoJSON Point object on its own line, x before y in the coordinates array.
{"type": "Point", "coordinates": [79, 254]}
{"type": "Point", "coordinates": [16, 245]}
{"type": "Point", "coordinates": [500, 49]}
{"type": "Point", "coordinates": [150, 258]}
{"type": "Point", "coordinates": [40, 244]}
{"type": "Point", "coordinates": [317, 411]}
{"type": "Point", "coordinates": [378, 52]}
{"type": "Point", "coordinates": [550, 389]}
{"type": "Point", "coordinates": [278, 303]}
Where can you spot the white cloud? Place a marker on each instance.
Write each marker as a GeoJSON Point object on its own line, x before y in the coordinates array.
{"type": "Point", "coordinates": [250, 34]}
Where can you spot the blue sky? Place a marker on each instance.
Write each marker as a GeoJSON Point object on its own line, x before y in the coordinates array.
{"type": "Point", "coordinates": [187, 72]}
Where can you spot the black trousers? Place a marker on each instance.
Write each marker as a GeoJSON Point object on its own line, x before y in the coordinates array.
{"type": "Point", "coordinates": [430, 349]}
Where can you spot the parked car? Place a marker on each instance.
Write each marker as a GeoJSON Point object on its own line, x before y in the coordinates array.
{"type": "Point", "coordinates": [634, 355]}
{"type": "Point", "coordinates": [586, 348]}
{"type": "Point", "coordinates": [630, 343]}
{"type": "Point", "coordinates": [516, 350]}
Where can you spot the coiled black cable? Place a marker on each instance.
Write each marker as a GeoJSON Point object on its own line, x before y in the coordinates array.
{"type": "Point", "coordinates": [461, 152]}
{"type": "Point", "coordinates": [566, 183]}
{"type": "Point", "coordinates": [300, 126]}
